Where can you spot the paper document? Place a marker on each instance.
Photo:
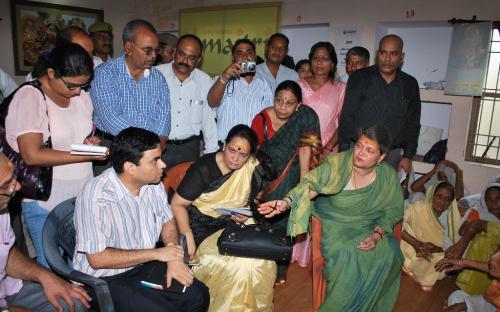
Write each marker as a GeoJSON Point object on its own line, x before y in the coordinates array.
{"type": "Point", "coordinates": [402, 175]}
{"type": "Point", "coordinates": [246, 211]}
{"type": "Point", "coordinates": [85, 149]}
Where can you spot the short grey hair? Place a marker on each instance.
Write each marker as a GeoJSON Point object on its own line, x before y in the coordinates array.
{"type": "Point", "coordinates": [128, 34]}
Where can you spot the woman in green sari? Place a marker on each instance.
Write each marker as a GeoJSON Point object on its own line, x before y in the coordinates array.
{"type": "Point", "coordinates": [289, 133]}
{"type": "Point", "coordinates": [360, 202]}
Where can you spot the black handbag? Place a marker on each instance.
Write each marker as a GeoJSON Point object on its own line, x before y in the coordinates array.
{"type": "Point", "coordinates": [255, 241]}
{"type": "Point", "coordinates": [36, 181]}
{"type": "Point", "coordinates": [261, 240]}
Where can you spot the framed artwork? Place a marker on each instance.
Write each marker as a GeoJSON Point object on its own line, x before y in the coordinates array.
{"type": "Point", "coordinates": [35, 26]}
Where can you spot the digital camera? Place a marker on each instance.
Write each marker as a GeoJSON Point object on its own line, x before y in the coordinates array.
{"type": "Point", "coordinates": [248, 66]}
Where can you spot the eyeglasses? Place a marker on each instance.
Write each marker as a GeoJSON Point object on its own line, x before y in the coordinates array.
{"type": "Point", "coordinates": [74, 86]}
{"type": "Point", "coordinates": [192, 58]}
{"type": "Point", "coordinates": [9, 187]}
{"type": "Point", "coordinates": [150, 50]}
{"type": "Point", "coordinates": [321, 58]}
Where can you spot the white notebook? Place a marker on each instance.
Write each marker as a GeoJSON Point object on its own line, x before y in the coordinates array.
{"type": "Point", "coordinates": [89, 150]}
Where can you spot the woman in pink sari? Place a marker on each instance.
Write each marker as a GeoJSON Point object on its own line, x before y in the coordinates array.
{"type": "Point", "coordinates": [323, 93]}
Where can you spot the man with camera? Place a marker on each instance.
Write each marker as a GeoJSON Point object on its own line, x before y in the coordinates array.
{"type": "Point", "coordinates": [237, 93]}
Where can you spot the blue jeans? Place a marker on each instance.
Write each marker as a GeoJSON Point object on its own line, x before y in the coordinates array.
{"type": "Point", "coordinates": [34, 217]}
{"type": "Point", "coordinates": [31, 296]}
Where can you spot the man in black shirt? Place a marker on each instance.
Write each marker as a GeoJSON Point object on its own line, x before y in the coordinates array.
{"type": "Point", "coordinates": [383, 94]}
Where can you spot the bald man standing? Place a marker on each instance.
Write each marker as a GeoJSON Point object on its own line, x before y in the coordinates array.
{"type": "Point", "coordinates": [383, 94]}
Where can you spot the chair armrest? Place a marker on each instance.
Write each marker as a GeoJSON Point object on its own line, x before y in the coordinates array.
{"type": "Point", "coordinates": [100, 288]}
{"type": "Point", "coordinates": [183, 244]}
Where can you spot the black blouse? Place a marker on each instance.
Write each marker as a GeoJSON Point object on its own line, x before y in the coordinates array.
{"type": "Point", "coordinates": [199, 177]}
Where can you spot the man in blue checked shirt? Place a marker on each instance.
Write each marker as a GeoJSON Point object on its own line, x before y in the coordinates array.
{"type": "Point", "coordinates": [128, 92]}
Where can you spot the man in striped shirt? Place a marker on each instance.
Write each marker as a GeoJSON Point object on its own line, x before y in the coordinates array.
{"type": "Point", "coordinates": [119, 217]}
{"type": "Point", "coordinates": [238, 95]}
{"type": "Point", "coordinates": [127, 91]}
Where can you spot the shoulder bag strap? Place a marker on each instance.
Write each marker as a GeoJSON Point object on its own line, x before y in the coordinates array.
{"type": "Point", "coordinates": [264, 122]}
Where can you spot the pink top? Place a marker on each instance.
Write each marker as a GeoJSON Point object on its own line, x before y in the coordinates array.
{"type": "Point", "coordinates": [68, 125]}
{"type": "Point", "coordinates": [8, 285]}
{"type": "Point", "coordinates": [327, 103]}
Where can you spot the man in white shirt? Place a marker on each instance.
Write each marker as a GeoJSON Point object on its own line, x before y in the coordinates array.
{"type": "Point", "coordinates": [102, 36]}
{"type": "Point", "coordinates": [168, 43]}
{"type": "Point", "coordinates": [190, 113]}
{"type": "Point", "coordinates": [272, 71]}
{"type": "Point", "coordinates": [237, 93]}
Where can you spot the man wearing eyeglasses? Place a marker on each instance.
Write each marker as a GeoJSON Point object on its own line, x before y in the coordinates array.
{"type": "Point", "coordinates": [102, 36]}
{"type": "Point", "coordinates": [25, 285]}
{"type": "Point", "coordinates": [272, 71]}
{"type": "Point", "coordinates": [128, 92]}
{"type": "Point", "coordinates": [190, 112]}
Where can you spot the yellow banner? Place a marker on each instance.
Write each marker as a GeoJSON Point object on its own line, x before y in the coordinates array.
{"type": "Point", "coordinates": [219, 27]}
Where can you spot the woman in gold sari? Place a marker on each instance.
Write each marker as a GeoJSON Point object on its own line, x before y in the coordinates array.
{"type": "Point", "coordinates": [429, 228]}
{"type": "Point", "coordinates": [225, 179]}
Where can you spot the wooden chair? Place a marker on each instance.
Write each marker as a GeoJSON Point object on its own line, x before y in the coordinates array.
{"type": "Point", "coordinates": [318, 262]}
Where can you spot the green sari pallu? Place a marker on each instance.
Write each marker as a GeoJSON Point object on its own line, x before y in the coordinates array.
{"type": "Point", "coordinates": [357, 280]}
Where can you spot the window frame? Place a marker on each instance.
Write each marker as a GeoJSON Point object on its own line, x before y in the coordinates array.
{"type": "Point", "coordinates": [472, 135]}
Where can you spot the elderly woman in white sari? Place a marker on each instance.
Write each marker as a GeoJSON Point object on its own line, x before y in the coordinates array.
{"type": "Point", "coordinates": [445, 170]}
{"type": "Point", "coordinates": [429, 228]}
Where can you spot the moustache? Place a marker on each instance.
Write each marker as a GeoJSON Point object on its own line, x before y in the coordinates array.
{"type": "Point", "coordinates": [183, 65]}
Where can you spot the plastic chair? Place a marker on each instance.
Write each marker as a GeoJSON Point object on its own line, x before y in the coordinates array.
{"type": "Point", "coordinates": [175, 175]}
{"type": "Point", "coordinates": [59, 233]}
{"type": "Point", "coordinates": [318, 262]}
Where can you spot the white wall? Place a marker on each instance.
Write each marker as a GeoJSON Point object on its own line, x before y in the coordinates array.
{"type": "Point", "coordinates": [426, 62]}
{"type": "Point", "coordinates": [476, 176]}
{"type": "Point", "coordinates": [303, 37]}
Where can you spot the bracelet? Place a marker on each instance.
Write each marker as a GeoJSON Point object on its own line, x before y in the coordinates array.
{"type": "Point", "coordinates": [291, 201]}
{"type": "Point", "coordinates": [379, 232]}
{"type": "Point", "coordinates": [222, 80]}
